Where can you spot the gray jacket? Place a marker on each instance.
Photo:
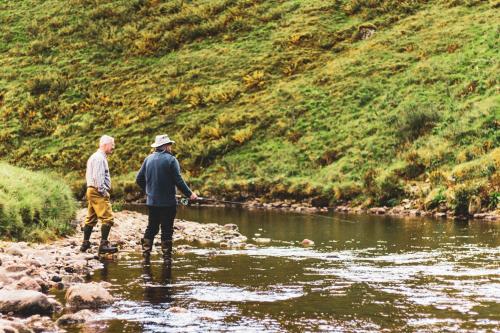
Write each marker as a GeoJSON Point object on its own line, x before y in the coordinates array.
{"type": "Point", "coordinates": [159, 175]}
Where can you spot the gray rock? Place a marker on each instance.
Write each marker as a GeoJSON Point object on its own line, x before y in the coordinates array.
{"type": "Point", "coordinates": [262, 240]}
{"type": "Point", "coordinates": [77, 318]}
{"type": "Point", "coordinates": [307, 242]}
{"type": "Point", "coordinates": [88, 295]}
{"type": "Point", "coordinates": [14, 250]}
{"type": "Point", "coordinates": [15, 268]}
{"type": "Point", "coordinates": [230, 226]}
{"type": "Point", "coordinates": [474, 205]}
{"type": "Point", "coordinates": [9, 326]}
{"type": "Point", "coordinates": [4, 279]}
{"type": "Point", "coordinates": [39, 324]}
{"type": "Point", "coordinates": [72, 279]}
{"type": "Point", "coordinates": [25, 302]}
{"type": "Point", "coordinates": [28, 283]}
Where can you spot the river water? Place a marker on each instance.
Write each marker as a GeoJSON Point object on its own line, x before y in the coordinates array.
{"type": "Point", "coordinates": [364, 274]}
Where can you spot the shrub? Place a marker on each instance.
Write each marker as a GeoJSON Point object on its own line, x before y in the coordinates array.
{"type": "Point", "coordinates": [478, 168]}
{"type": "Point", "coordinates": [461, 194]}
{"type": "Point", "coordinates": [33, 205]}
{"type": "Point", "coordinates": [435, 198]}
{"type": "Point", "coordinates": [47, 83]}
{"type": "Point", "coordinates": [346, 191]}
{"type": "Point", "coordinates": [389, 188]}
{"type": "Point", "coordinates": [494, 200]}
{"type": "Point", "coordinates": [416, 121]}
{"type": "Point", "coordinates": [254, 80]}
{"type": "Point", "coordinates": [243, 135]}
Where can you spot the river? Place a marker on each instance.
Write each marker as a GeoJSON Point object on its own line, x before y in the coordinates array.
{"type": "Point", "coordinates": [364, 274]}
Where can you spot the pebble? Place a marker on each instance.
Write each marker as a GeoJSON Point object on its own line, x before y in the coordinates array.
{"type": "Point", "coordinates": [307, 242]}
{"type": "Point", "coordinates": [177, 309]}
{"type": "Point", "coordinates": [262, 240]}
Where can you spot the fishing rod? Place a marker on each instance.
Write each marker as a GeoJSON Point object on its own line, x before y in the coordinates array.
{"type": "Point", "coordinates": [186, 201]}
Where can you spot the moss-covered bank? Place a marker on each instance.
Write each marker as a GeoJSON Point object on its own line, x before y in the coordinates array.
{"type": "Point", "coordinates": [33, 205]}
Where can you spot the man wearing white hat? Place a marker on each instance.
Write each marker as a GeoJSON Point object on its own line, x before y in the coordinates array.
{"type": "Point", "coordinates": [158, 177]}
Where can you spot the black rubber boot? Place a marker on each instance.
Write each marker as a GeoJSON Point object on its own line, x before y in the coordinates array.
{"type": "Point", "coordinates": [147, 246]}
{"type": "Point", "coordinates": [166, 248]}
{"type": "Point", "coordinates": [105, 229]}
{"type": "Point", "coordinates": [87, 231]}
{"type": "Point", "coordinates": [105, 247]}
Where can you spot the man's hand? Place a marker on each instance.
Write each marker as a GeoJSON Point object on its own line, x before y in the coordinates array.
{"type": "Point", "coordinates": [193, 197]}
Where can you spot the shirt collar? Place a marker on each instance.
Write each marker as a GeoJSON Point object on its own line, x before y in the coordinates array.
{"type": "Point", "coordinates": [102, 152]}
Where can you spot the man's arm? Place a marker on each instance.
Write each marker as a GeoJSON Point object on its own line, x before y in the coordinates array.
{"type": "Point", "coordinates": [179, 182]}
{"type": "Point", "coordinates": [140, 179]}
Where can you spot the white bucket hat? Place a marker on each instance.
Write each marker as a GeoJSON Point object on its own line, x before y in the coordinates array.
{"type": "Point", "coordinates": [161, 140]}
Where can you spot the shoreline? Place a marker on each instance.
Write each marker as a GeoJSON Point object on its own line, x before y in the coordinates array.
{"type": "Point", "coordinates": [31, 274]}
{"type": "Point", "coordinates": [407, 208]}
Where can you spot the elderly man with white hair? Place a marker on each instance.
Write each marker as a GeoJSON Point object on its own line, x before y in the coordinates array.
{"type": "Point", "coordinates": [98, 187]}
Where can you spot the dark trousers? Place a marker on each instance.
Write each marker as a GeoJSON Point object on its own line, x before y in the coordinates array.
{"type": "Point", "coordinates": [161, 216]}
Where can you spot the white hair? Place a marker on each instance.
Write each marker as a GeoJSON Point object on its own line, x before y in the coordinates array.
{"type": "Point", "coordinates": [105, 139]}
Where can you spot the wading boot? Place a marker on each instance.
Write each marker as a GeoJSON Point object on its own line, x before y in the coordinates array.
{"type": "Point", "coordinates": [105, 247]}
{"type": "Point", "coordinates": [87, 231]}
{"type": "Point", "coordinates": [147, 246]}
{"type": "Point", "coordinates": [166, 248]}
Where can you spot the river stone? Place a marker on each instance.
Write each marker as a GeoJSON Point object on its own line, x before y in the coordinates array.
{"type": "Point", "coordinates": [79, 317]}
{"type": "Point", "coordinates": [262, 240]}
{"type": "Point", "coordinates": [8, 326]}
{"type": "Point", "coordinates": [72, 279]}
{"type": "Point", "coordinates": [15, 268]}
{"type": "Point", "coordinates": [474, 205]}
{"type": "Point", "coordinates": [25, 302]}
{"type": "Point", "coordinates": [177, 309]}
{"type": "Point", "coordinates": [14, 250]}
{"type": "Point", "coordinates": [41, 324]}
{"type": "Point", "coordinates": [307, 242]}
{"type": "Point", "coordinates": [28, 283]}
{"type": "Point", "coordinates": [88, 295]}
{"type": "Point", "coordinates": [230, 226]}
{"type": "Point", "coordinates": [4, 279]}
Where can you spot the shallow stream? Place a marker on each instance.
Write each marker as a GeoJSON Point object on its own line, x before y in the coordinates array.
{"type": "Point", "coordinates": [364, 274]}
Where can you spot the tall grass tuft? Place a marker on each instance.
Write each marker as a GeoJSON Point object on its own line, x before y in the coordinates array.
{"type": "Point", "coordinates": [34, 206]}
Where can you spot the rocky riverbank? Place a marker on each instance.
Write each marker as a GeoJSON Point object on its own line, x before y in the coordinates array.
{"type": "Point", "coordinates": [31, 273]}
{"type": "Point", "coordinates": [406, 208]}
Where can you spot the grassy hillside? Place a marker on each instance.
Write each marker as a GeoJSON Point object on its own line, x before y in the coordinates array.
{"type": "Point", "coordinates": [338, 100]}
{"type": "Point", "coordinates": [33, 205]}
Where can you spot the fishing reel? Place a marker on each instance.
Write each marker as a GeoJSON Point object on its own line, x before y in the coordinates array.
{"type": "Point", "coordinates": [184, 201]}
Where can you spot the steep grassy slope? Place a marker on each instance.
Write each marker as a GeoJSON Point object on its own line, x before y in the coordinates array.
{"type": "Point", "coordinates": [333, 100]}
{"type": "Point", "coordinates": [33, 205]}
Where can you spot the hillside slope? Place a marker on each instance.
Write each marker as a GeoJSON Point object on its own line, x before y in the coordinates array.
{"type": "Point", "coordinates": [339, 100]}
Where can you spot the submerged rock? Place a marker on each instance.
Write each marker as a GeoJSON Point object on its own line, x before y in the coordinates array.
{"type": "Point", "coordinates": [77, 318]}
{"type": "Point", "coordinates": [177, 309]}
{"type": "Point", "coordinates": [262, 240]}
{"type": "Point", "coordinates": [88, 295]}
{"type": "Point", "coordinates": [39, 324]}
{"type": "Point", "coordinates": [307, 242]}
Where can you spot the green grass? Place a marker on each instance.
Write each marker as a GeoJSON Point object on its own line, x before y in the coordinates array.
{"type": "Point", "coordinates": [34, 206]}
{"type": "Point", "coordinates": [270, 98]}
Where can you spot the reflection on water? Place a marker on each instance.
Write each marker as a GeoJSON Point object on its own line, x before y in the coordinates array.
{"type": "Point", "coordinates": [378, 273]}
